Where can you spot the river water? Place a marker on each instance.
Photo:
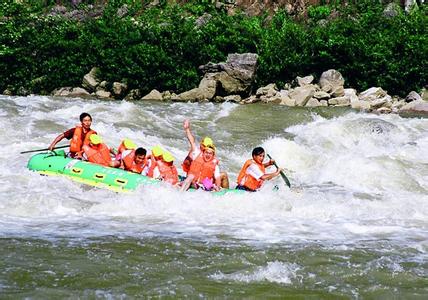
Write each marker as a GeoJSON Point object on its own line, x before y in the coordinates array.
{"type": "Point", "coordinates": [355, 225]}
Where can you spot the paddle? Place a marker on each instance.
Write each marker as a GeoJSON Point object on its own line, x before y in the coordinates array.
{"type": "Point", "coordinates": [281, 173]}
{"type": "Point", "coordinates": [38, 150]}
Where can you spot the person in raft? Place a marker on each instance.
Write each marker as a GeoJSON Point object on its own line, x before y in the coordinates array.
{"type": "Point", "coordinates": [78, 135]}
{"type": "Point", "coordinates": [97, 152]}
{"type": "Point", "coordinates": [166, 169]}
{"type": "Point", "coordinates": [204, 171]}
{"type": "Point", "coordinates": [134, 160]}
{"type": "Point", "coordinates": [195, 151]}
{"type": "Point", "coordinates": [155, 156]}
{"type": "Point", "coordinates": [253, 173]}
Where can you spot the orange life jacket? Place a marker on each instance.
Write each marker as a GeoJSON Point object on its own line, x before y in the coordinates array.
{"type": "Point", "coordinates": [99, 154]}
{"type": "Point", "coordinates": [130, 165]}
{"type": "Point", "coordinates": [168, 172]}
{"type": "Point", "coordinates": [247, 180]}
{"type": "Point", "coordinates": [79, 139]}
{"type": "Point", "coordinates": [202, 169]}
{"type": "Point", "coordinates": [153, 164]}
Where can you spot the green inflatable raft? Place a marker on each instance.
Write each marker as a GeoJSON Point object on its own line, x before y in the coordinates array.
{"type": "Point", "coordinates": [118, 180]}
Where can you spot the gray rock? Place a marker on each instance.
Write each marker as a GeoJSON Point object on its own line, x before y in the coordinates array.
{"type": "Point", "coordinates": [413, 96]}
{"type": "Point", "coordinates": [208, 86]}
{"type": "Point", "coordinates": [153, 95]}
{"type": "Point", "coordinates": [203, 20]}
{"type": "Point", "coordinates": [384, 110]}
{"type": "Point", "coordinates": [392, 10]}
{"type": "Point", "coordinates": [313, 102]}
{"type": "Point", "coordinates": [249, 100]}
{"type": "Point", "coordinates": [372, 94]}
{"type": "Point", "coordinates": [119, 89]}
{"type": "Point", "coordinates": [233, 98]}
{"type": "Point", "coordinates": [420, 107]}
{"type": "Point", "coordinates": [301, 95]}
{"type": "Point", "coordinates": [90, 80]}
{"type": "Point", "coordinates": [339, 101]}
{"type": "Point", "coordinates": [324, 103]}
{"type": "Point", "coordinates": [134, 94]}
{"type": "Point", "coordinates": [321, 95]}
{"type": "Point", "coordinates": [103, 94]}
{"type": "Point", "coordinates": [302, 81]}
{"type": "Point", "coordinates": [330, 80]}
{"type": "Point", "coordinates": [78, 92]}
{"type": "Point", "coordinates": [269, 90]}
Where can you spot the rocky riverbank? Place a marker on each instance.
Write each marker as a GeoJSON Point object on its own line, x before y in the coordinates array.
{"type": "Point", "coordinates": [234, 81]}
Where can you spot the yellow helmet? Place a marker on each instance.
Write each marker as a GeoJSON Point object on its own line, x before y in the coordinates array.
{"type": "Point", "coordinates": [157, 150]}
{"type": "Point", "coordinates": [167, 156]}
{"type": "Point", "coordinates": [207, 141]}
{"type": "Point", "coordinates": [95, 139]}
{"type": "Point", "coordinates": [129, 145]}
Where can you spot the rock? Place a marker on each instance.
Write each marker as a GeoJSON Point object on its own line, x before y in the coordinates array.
{"type": "Point", "coordinates": [301, 95]}
{"type": "Point", "coordinates": [324, 103]}
{"type": "Point", "coordinates": [413, 96]}
{"type": "Point", "coordinates": [218, 99]}
{"type": "Point", "coordinates": [372, 94]}
{"type": "Point", "coordinates": [339, 101]}
{"type": "Point", "coordinates": [103, 85]}
{"type": "Point", "coordinates": [302, 81]}
{"type": "Point", "coordinates": [360, 105]}
{"type": "Point", "coordinates": [7, 92]}
{"type": "Point", "coordinates": [90, 80]}
{"type": "Point", "coordinates": [79, 92]}
{"type": "Point", "coordinates": [193, 95]}
{"type": "Point", "coordinates": [153, 95]}
{"type": "Point", "coordinates": [233, 98]}
{"type": "Point", "coordinates": [134, 94]}
{"type": "Point", "coordinates": [275, 99]}
{"type": "Point", "coordinates": [351, 94]}
{"type": "Point", "coordinates": [384, 101]}
{"type": "Point", "coordinates": [269, 90]}
{"type": "Point", "coordinates": [331, 81]}
{"type": "Point", "coordinates": [102, 94]}
{"type": "Point", "coordinates": [122, 11]}
{"type": "Point", "coordinates": [119, 89]}
{"type": "Point", "coordinates": [419, 107]}
{"type": "Point", "coordinates": [392, 10]}
{"type": "Point", "coordinates": [313, 102]}
{"type": "Point", "coordinates": [249, 100]}
{"type": "Point", "coordinates": [397, 105]}
{"type": "Point", "coordinates": [384, 110]}
{"type": "Point", "coordinates": [236, 75]}
{"type": "Point", "coordinates": [167, 95]}
{"type": "Point", "coordinates": [208, 86]}
{"type": "Point", "coordinates": [337, 91]}
{"type": "Point", "coordinates": [203, 20]}
{"type": "Point", "coordinates": [321, 95]}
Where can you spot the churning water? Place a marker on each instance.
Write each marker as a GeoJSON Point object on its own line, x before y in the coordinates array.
{"type": "Point", "coordinates": [355, 225]}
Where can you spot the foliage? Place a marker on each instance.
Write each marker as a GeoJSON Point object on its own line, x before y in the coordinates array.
{"type": "Point", "coordinates": [162, 47]}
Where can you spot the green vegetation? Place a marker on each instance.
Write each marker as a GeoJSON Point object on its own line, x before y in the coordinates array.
{"type": "Point", "coordinates": [161, 47]}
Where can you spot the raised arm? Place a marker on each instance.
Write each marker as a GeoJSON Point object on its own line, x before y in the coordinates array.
{"type": "Point", "coordinates": [269, 176]}
{"type": "Point", "coordinates": [189, 135]}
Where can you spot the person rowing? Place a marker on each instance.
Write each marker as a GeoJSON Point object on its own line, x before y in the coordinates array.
{"type": "Point", "coordinates": [78, 135]}
{"type": "Point", "coordinates": [253, 172]}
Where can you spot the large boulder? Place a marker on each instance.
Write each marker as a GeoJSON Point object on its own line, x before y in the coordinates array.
{"type": "Point", "coordinates": [301, 95]}
{"type": "Point", "coordinates": [90, 80]}
{"type": "Point", "coordinates": [413, 96]}
{"type": "Point", "coordinates": [153, 95]}
{"type": "Point", "coordinates": [235, 76]}
{"type": "Point", "coordinates": [332, 82]}
{"type": "Point", "coordinates": [416, 107]}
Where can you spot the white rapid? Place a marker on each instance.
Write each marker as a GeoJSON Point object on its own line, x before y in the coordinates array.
{"type": "Point", "coordinates": [355, 176]}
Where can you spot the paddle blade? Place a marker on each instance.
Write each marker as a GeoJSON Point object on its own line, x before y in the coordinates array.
{"type": "Point", "coordinates": [283, 176]}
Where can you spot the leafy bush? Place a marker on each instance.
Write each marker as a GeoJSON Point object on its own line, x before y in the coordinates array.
{"type": "Point", "coordinates": [161, 47]}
